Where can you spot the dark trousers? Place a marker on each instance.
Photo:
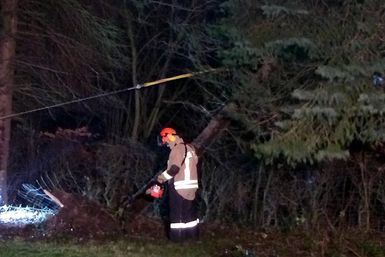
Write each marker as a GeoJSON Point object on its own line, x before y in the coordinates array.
{"type": "Point", "coordinates": [182, 211]}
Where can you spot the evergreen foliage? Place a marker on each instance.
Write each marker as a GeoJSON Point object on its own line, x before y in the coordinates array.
{"type": "Point", "coordinates": [328, 123]}
{"type": "Point", "coordinates": [315, 88]}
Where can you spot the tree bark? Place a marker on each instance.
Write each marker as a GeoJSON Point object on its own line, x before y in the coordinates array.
{"type": "Point", "coordinates": [7, 55]}
{"type": "Point", "coordinates": [212, 131]}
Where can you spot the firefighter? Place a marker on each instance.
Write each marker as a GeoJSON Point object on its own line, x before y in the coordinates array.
{"type": "Point", "coordinates": [182, 178]}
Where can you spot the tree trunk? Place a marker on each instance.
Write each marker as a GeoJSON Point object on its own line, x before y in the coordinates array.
{"type": "Point", "coordinates": [7, 55]}
{"type": "Point", "coordinates": [213, 129]}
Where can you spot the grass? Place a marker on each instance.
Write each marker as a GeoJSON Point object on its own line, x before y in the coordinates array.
{"type": "Point", "coordinates": [122, 248]}
{"type": "Point", "coordinates": [226, 242]}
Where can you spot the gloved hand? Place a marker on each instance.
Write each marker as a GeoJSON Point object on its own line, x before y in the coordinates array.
{"type": "Point", "coordinates": [161, 179]}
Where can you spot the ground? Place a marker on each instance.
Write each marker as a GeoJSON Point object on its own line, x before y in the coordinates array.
{"type": "Point", "coordinates": [86, 221]}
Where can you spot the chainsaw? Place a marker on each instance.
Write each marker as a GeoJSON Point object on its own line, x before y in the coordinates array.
{"type": "Point", "coordinates": [156, 189]}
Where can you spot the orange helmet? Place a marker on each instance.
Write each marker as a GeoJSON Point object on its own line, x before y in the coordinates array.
{"type": "Point", "coordinates": [166, 131]}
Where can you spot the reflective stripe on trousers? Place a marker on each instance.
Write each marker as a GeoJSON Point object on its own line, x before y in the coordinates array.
{"type": "Point", "coordinates": [190, 224]}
